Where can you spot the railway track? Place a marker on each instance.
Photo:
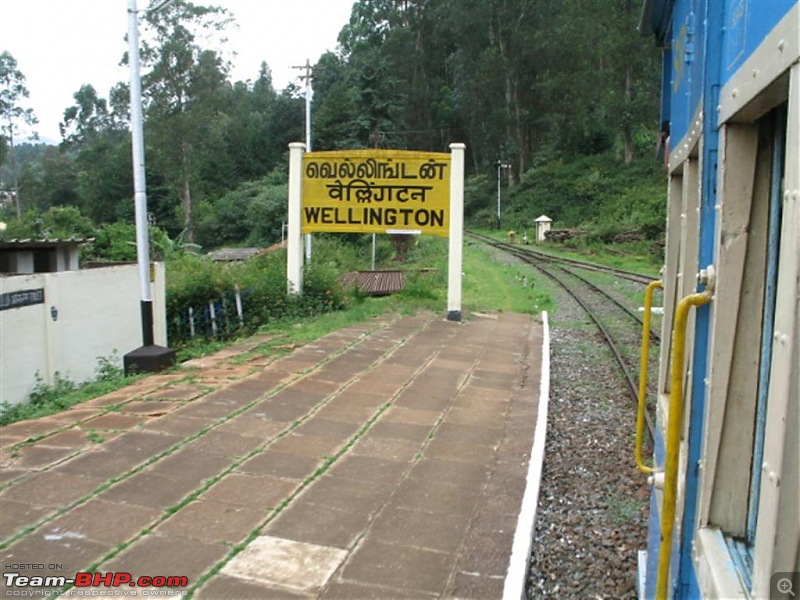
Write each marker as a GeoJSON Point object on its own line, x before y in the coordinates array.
{"type": "Point", "coordinates": [629, 275]}
{"type": "Point", "coordinates": [558, 270]}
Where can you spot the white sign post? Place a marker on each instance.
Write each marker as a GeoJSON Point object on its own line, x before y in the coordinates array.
{"type": "Point", "coordinates": [294, 238]}
{"type": "Point", "coordinates": [456, 232]}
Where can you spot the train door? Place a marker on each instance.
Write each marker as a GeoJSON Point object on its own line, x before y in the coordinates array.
{"type": "Point", "coordinates": [749, 480]}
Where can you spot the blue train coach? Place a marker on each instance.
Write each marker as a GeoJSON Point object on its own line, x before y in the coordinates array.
{"type": "Point", "coordinates": [725, 490]}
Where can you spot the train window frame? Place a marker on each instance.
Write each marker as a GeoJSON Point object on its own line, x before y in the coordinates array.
{"type": "Point", "coordinates": [721, 566]}
{"type": "Point", "coordinates": [681, 253]}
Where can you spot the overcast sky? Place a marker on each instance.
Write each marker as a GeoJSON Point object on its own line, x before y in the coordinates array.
{"type": "Point", "coordinates": [60, 45]}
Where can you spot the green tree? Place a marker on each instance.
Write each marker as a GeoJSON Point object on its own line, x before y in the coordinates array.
{"type": "Point", "coordinates": [86, 118]}
{"type": "Point", "coordinates": [186, 88]}
{"type": "Point", "coordinates": [633, 93]}
{"type": "Point", "coordinates": [50, 181]}
{"type": "Point", "coordinates": [253, 214]}
{"type": "Point", "coordinates": [12, 113]}
{"type": "Point", "coordinates": [98, 146]}
{"type": "Point", "coordinates": [252, 135]}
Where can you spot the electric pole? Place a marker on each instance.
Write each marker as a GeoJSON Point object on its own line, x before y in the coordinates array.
{"type": "Point", "coordinates": [309, 92]}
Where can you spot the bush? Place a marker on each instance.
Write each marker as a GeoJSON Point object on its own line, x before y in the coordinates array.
{"type": "Point", "coordinates": [196, 282]}
{"type": "Point", "coordinates": [251, 214]}
{"type": "Point", "coordinates": [116, 242]}
{"type": "Point", "coordinates": [57, 222]}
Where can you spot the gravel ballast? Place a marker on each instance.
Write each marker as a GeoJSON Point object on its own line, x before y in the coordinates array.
{"type": "Point", "coordinates": [592, 512]}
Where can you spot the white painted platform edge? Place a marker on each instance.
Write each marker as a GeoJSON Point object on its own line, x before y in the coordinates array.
{"type": "Point", "coordinates": [517, 574]}
{"type": "Point", "coordinates": [641, 573]}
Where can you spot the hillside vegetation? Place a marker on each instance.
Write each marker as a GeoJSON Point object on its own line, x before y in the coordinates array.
{"type": "Point", "coordinates": [594, 194]}
{"type": "Point", "coordinates": [564, 93]}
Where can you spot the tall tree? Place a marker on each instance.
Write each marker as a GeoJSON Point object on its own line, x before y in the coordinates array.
{"type": "Point", "coordinates": [96, 140]}
{"type": "Point", "coordinates": [88, 116]}
{"type": "Point", "coordinates": [50, 182]}
{"type": "Point", "coordinates": [185, 89]}
{"type": "Point", "coordinates": [12, 113]}
{"type": "Point", "coordinates": [632, 94]}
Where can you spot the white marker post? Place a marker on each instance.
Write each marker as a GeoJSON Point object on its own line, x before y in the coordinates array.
{"type": "Point", "coordinates": [456, 232]}
{"type": "Point", "coordinates": [294, 245]}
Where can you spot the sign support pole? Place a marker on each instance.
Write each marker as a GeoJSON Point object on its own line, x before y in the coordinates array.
{"type": "Point", "coordinates": [294, 245]}
{"type": "Point", "coordinates": [454, 264]}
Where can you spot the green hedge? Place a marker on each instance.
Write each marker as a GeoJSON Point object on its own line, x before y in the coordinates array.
{"type": "Point", "coordinates": [194, 281]}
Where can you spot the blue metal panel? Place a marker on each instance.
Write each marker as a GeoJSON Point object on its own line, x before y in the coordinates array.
{"type": "Point", "coordinates": [681, 52]}
{"type": "Point", "coordinates": [688, 57]}
{"type": "Point", "coordinates": [713, 18]}
{"type": "Point", "coordinates": [699, 66]}
{"type": "Point", "coordinates": [747, 22]}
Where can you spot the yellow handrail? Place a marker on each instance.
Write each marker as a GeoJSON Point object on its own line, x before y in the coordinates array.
{"type": "Point", "coordinates": [674, 423]}
{"type": "Point", "coordinates": [643, 364]}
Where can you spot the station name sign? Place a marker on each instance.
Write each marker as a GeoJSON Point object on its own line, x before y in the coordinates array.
{"type": "Point", "coordinates": [376, 191]}
{"type": "Point", "coordinates": [21, 298]}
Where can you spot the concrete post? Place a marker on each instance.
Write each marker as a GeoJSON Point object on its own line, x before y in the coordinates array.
{"type": "Point", "coordinates": [454, 264]}
{"type": "Point", "coordinates": [294, 244]}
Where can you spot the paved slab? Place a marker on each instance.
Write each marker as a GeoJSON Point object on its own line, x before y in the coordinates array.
{"type": "Point", "coordinates": [385, 460]}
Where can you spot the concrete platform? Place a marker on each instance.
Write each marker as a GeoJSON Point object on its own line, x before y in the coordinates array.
{"type": "Point", "coordinates": [385, 460]}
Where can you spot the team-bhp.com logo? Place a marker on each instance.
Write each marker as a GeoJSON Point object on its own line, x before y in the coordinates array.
{"type": "Point", "coordinates": [94, 584]}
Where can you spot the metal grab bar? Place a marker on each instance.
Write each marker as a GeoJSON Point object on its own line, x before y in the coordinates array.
{"type": "Point", "coordinates": [674, 423]}
{"type": "Point", "coordinates": [643, 364]}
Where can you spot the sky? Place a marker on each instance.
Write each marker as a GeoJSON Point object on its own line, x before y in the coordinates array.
{"type": "Point", "coordinates": [60, 45]}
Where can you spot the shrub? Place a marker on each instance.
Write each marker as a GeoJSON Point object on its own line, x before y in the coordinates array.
{"type": "Point", "coordinates": [56, 222]}
{"type": "Point", "coordinates": [251, 214]}
{"type": "Point", "coordinates": [196, 282]}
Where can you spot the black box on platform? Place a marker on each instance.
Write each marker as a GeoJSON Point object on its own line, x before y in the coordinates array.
{"type": "Point", "coordinates": [148, 359]}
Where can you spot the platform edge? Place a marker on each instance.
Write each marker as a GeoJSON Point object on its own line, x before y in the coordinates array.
{"type": "Point", "coordinates": [516, 575]}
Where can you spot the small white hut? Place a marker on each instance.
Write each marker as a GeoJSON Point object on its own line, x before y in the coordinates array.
{"type": "Point", "coordinates": [543, 224]}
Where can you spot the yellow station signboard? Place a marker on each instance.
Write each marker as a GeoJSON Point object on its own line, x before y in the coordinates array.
{"type": "Point", "coordinates": [376, 191]}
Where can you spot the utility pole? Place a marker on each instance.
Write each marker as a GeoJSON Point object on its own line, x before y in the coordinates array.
{"type": "Point", "coordinates": [149, 357]}
{"type": "Point", "coordinates": [309, 92]}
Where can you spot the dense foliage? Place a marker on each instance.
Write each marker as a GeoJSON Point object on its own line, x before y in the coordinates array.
{"type": "Point", "coordinates": [534, 83]}
{"type": "Point", "coordinates": [195, 282]}
{"type": "Point", "coordinates": [593, 193]}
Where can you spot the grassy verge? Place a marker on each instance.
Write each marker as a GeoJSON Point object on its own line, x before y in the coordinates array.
{"type": "Point", "coordinates": [491, 285]}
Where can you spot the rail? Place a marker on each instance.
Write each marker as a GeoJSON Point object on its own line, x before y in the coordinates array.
{"type": "Point", "coordinates": [630, 275]}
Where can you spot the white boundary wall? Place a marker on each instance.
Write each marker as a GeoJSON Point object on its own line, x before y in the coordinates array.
{"type": "Point", "coordinates": [97, 314]}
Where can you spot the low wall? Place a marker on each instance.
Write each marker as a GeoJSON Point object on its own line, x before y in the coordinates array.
{"type": "Point", "coordinates": [64, 322]}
